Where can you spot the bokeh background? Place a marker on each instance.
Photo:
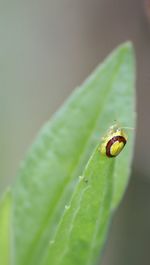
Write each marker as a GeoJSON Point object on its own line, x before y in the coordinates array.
{"type": "Point", "coordinates": [49, 47]}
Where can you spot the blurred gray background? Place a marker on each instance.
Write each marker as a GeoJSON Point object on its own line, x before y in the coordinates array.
{"type": "Point", "coordinates": [47, 48]}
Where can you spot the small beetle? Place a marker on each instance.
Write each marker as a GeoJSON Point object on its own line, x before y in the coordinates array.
{"type": "Point", "coordinates": [113, 142]}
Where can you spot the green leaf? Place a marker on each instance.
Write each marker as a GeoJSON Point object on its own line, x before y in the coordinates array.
{"type": "Point", "coordinates": [82, 229]}
{"type": "Point", "coordinates": [50, 172]}
{"type": "Point", "coordinates": [5, 215]}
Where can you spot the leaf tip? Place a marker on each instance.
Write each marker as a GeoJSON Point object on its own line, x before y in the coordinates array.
{"type": "Point", "coordinates": [128, 49]}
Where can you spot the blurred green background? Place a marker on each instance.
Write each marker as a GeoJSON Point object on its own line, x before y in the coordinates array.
{"type": "Point", "coordinates": [47, 48]}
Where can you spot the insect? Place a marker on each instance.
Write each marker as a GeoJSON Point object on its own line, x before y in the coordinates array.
{"type": "Point", "coordinates": [114, 141]}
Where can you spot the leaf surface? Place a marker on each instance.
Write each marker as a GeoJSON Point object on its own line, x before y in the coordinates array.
{"type": "Point", "coordinates": [5, 231]}
{"type": "Point", "coordinates": [82, 229]}
{"type": "Point", "coordinates": [49, 174]}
